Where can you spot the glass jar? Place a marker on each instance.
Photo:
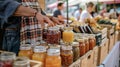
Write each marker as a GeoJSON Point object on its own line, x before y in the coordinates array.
{"type": "Point", "coordinates": [68, 35]}
{"type": "Point", "coordinates": [92, 41]}
{"type": "Point", "coordinates": [82, 46]}
{"type": "Point", "coordinates": [43, 43]}
{"type": "Point", "coordinates": [53, 35]}
{"type": "Point", "coordinates": [26, 51]}
{"type": "Point", "coordinates": [21, 62]}
{"type": "Point", "coordinates": [44, 36]}
{"type": "Point", "coordinates": [39, 54]}
{"type": "Point", "coordinates": [67, 55]}
{"type": "Point", "coordinates": [76, 51]}
{"type": "Point", "coordinates": [53, 58]}
{"type": "Point", "coordinates": [86, 44]}
{"type": "Point", "coordinates": [7, 59]}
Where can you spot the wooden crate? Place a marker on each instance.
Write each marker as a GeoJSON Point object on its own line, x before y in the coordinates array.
{"type": "Point", "coordinates": [95, 56]}
{"type": "Point", "coordinates": [116, 36]}
{"type": "Point", "coordinates": [104, 33]}
{"type": "Point", "coordinates": [75, 64]}
{"type": "Point", "coordinates": [87, 60]}
{"type": "Point", "coordinates": [111, 42]}
{"type": "Point", "coordinates": [102, 51]}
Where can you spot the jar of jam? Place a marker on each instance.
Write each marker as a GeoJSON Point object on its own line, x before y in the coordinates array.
{"type": "Point", "coordinates": [82, 46]}
{"type": "Point", "coordinates": [43, 43]}
{"type": "Point", "coordinates": [92, 41]}
{"type": "Point", "coordinates": [26, 51]}
{"type": "Point", "coordinates": [7, 59]}
{"type": "Point", "coordinates": [53, 58]}
{"type": "Point", "coordinates": [39, 54]}
{"type": "Point", "coordinates": [86, 44]}
{"type": "Point", "coordinates": [68, 35]}
{"type": "Point", "coordinates": [21, 62]}
{"type": "Point", "coordinates": [76, 51]}
{"type": "Point", "coordinates": [67, 55]}
{"type": "Point", "coordinates": [53, 35]}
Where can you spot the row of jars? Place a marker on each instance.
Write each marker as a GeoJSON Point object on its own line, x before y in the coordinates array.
{"type": "Point", "coordinates": [65, 54]}
{"type": "Point", "coordinates": [53, 35]}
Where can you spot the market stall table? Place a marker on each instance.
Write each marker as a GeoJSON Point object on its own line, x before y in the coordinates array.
{"type": "Point", "coordinates": [112, 60]}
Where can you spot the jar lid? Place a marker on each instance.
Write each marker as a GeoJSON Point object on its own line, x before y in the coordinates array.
{"type": "Point", "coordinates": [75, 44]}
{"type": "Point", "coordinates": [53, 52]}
{"type": "Point", "coordinates": [91, 36]}
{"type": "Point", "coordinates": [7, 56]}
{"type": "Point", "coordinates": [39, 49]}
{"type": "Point", "coordinates": [25, 47]}
{"type": "Point", "coordinates": [21, 61]}
{"type": "Point", "coordinates": [69, 28]}
{"type": "Point", "coordinates": [55, 46]}
{"type": "Point", "coordinates": [66, 47]}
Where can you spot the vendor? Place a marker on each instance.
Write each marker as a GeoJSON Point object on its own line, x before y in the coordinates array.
{"type": "Point", "coordinates": [10, 20]}
{"type": "Point", "coordinates": [59, 12]}
{"type": "Point", "coordinates": [87, 12]}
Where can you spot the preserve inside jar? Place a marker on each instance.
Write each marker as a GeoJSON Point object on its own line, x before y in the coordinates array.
{"type": "Point", "coordinates": [92, 41]}
{"type": "Point", "coordinates": [53, 58]}
{"type": "Point", "coordinates": [7, 59]}
{"type": "Point", "coordinates": [25, 51]}
{"type": "Point", "coordinates": [67, 55]}
{"type": "Point", "coordinates": [53, 35]}
{"type": "Point", "coordinates": [82, 46]}
{"type": "Point", "coordinates": [68, 35]}
{"type": "Point", "coordinates": [21, 62]}
{"type": "Point", "coordinates": [39, 54]}
{"type": "Point", "coordinates": [86, 44]}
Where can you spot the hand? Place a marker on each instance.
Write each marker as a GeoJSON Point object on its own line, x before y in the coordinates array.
{"type": "Point", "coordinates": [40, 19]}
{"type": "Point", "coordinates": [56, 20]}
{"type": "Point", "coordinates": [46, 19]}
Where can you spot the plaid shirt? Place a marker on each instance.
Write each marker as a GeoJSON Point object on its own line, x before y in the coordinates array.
{"type": "Point", "coordinates": [30, 29]}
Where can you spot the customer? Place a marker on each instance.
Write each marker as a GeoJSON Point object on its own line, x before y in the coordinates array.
{"type": "Point", "coordinates": [58, 13]}
{"type": "Point", "coordinates": [87, 12]}
{"type": "Point", "coordinates": [77, 13]}
{"type": "Point", "coordinates": [10, 18]}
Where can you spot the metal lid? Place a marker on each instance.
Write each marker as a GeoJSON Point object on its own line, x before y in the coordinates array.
{"type": "Point", "coordinates": [53, 52]}
{"type": "Point", "coordinates": [66, 47]}
{"type": "Point", "coordinates": [39, 49]}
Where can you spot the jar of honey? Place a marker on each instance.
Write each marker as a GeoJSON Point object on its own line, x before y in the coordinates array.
{"type": "Point", "coordinates": [68, 35]}
{"type": "Point", "coordinates": [39, 54]}
{"type": "Point", "coordinates": [26, 51]}
{"type": "Point", "coordinates": [53, 35]}
{"type": "Point", "coordinates": [86, 44]}
{"type": "Point", "coordinates": [53, 58]}
{"type": "Point", "coordinates": [82, 46]}
{"type": "Point", "coordinates": [76, 50]}
{"type": "Point", "coordinates": [21, 62]}
{"type": "Point", "coordinates": [67, 55]}
{"type": "Point", "coordinates": [92, 41]}
{"type": "Point", "coordinates": [7, 59]}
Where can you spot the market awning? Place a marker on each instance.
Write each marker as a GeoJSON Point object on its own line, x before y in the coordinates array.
{"type": "Point", "coordinates": [53, 5]}
{"type": "Point", "coordinates": [113, 2]}
{"type": "Point", "coordinates": [95, 0]}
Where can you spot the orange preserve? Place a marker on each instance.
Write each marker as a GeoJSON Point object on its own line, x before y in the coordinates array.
{"type": "Point", "coordinates": [53, 58]}
{"type": "Point", "coordinates": [68, 35]}
{"type": "Point", "coordinates": [39, 54]}
{"type": "Point", "coordinates": [26, 51]}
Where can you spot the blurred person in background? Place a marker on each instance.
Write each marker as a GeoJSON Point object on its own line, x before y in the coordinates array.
{"type": "Point", "coordinates": [103, 11]}
{"type": "Point", "coordinates": [59, 11]}
{"type": "Point", "coordinates": [87, 12]}
{"type": "Point", "coordinates": [78, 13]}
{"type": "Point", "coordinates": [113, 12]}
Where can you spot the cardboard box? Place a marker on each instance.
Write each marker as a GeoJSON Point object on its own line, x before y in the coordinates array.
{"type": "Point", "coordinates": [76, 63]}
{"type": "Point", "coordinates": [102, 51]}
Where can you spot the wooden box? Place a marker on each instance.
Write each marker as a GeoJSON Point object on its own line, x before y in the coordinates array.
{"type": "Point", "coordinates": [87, 60]}
{"type": "Point", "coordinates": [75, 64]}
{"type": "Point", "coordinates": [102, 51]}
{"type": "Point", "coordinates": [104, 33]}
{"type": "Point", "coordinates": [95, 56]}
{"type": "Point", "coordinates": [116, 36]}
{"type": "Point", "coordinates": [111, 42]}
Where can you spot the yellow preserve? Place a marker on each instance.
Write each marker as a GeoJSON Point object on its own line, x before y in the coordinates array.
{"type": "Point", "coordinates": [53, 58]}
{"type": "Point", "coordinates": [25, 51]}
{"type": "Point", "coordinates": [39, 54]}
{"type": "Point", "coordinates": [68, 35]}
